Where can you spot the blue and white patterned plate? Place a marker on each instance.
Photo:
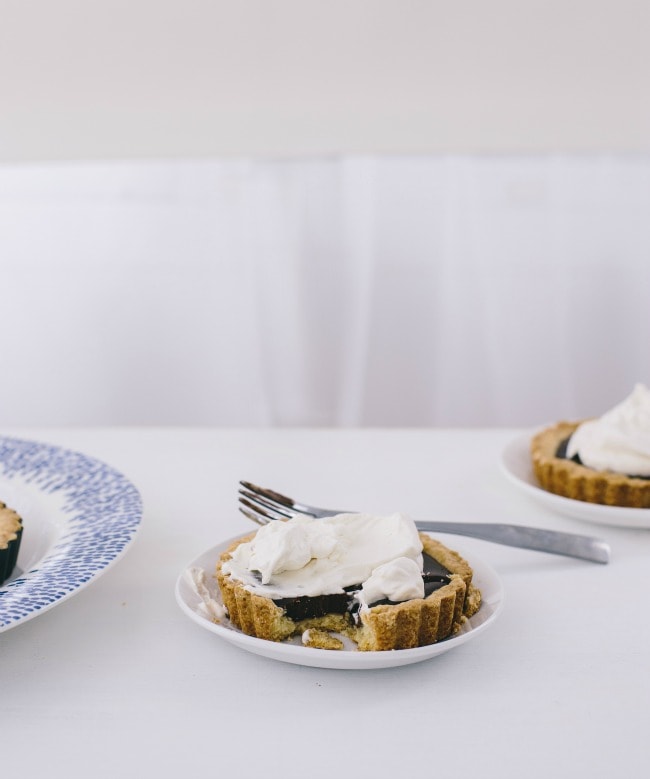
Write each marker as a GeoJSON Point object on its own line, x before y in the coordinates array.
{"type": "Point", "coordinates": [79, 517]}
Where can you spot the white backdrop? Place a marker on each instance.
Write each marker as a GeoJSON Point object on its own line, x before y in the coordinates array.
{"type": "Point", "coordinates": [437, 290]}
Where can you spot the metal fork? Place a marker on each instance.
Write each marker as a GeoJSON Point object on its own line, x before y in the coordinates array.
{"type": "Point", "coordinates": [264, 505]}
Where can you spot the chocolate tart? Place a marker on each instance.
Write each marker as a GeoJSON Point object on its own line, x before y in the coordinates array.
{"type": "Point", "coordinates": [11, 530]}
{"type": "Point", "coordinates": [450, 599]}
{"type": "Point", "coordinates": [571, 479]}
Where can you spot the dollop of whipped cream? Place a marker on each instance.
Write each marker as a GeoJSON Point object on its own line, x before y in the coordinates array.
{"type": "Point", "coordinates": [399, 580]}
{"type": "Point", "coordinates": [619, 441]}
{"type": "Point", "coordinates": [307, 557]}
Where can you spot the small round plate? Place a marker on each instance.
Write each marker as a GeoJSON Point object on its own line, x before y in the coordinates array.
{"type": "Point", "coordinates": [516, 464]}
{"type": "Point", "coordinates": [293, 651]}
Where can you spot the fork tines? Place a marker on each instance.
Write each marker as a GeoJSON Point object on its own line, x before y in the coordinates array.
{"type": "Point", "coordinates": [256, 492]}
{"type": "Point", "coordinates": [259, 509]}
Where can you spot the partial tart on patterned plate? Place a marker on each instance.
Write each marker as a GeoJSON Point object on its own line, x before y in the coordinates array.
{"type": "Point", "coordinates": [80, 516]}
{"type": "Point", "coordinates": [11, 531]}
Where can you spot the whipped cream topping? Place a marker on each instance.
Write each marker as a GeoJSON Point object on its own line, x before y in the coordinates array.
{"type": "Point", "coordinates": [398, 580]}
{"type": "Point", "coordinates": [619, 441]}
{"type": "Point", "coordinates": [308, 557]}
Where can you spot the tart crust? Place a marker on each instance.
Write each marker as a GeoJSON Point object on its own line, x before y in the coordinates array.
{"type": "Point", "coordinates": [11, 530]}
{"type": "Point", "coordinates": [413, 623]}
{"type": "Point", "coordinates": [572, 480]}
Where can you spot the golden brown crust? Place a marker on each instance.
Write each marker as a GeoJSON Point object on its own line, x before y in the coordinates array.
{"type": "Point", "coordinates": [321, 639]}
{"type": "Point", "coordinates": [10, 525]}
{"type": "Point", "coordinates": [413, 623]}
{"type": "Point", "coordinates": [11, 528]}
{"type": "Point", "coordinates": [417, 622]}
{"type": "Point", "coordinates": [572, 480]}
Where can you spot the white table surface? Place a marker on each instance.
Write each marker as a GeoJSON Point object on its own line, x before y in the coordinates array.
{"type": "Point", "coordinates": [117, 681]}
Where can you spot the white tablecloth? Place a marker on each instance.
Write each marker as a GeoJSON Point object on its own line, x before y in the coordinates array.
{"type": "Point", "coordinates": [118, 681]}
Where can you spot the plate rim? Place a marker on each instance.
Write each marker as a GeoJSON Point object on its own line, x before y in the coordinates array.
{"type": "Point", "coordinates": [341, 659]}
{"type": "Point", "coordinates": [613, 516]}
{"type": "Point", "coordinates": [52, 469]}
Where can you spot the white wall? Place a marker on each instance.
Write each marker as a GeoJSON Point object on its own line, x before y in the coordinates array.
{"type": "Point", "coordinates": [151, 78]}
{"type": "Point", "coordinates": [438, 290]}
{"type": "Point", "coordinates": [450, 199]}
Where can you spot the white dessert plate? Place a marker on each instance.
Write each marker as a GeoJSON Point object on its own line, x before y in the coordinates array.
{"type": "Point", "coordinates": [516, 464]}
{"type": "Point", "coordinates": [293, 651]}
{"type": "Point", "coordinates": [79, 516]}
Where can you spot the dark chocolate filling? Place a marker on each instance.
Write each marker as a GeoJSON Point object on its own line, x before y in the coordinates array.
{"type": "Point", "coordinates": [434, 574]}
{"type": "Point", "coordinates": [562, 449]}
{"type": "Point", "coordinates": [306, 607]}
{"type": "Point", "coordinates": [561, 453]}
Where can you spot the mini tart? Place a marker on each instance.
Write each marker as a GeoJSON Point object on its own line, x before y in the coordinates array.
{"type": "Point", "coordinates": [573, 480]}
{"type": "Point", "coordinates": [413, 623]}
{"type": "Point", "coordinates": [11, 530]}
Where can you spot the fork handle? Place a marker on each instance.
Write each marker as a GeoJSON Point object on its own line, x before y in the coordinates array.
{"type": "Point", "coordinates": [553, 541]}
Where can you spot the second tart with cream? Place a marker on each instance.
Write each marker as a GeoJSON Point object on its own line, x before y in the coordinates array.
{"type": "Point", "coordinates": [604, 460]}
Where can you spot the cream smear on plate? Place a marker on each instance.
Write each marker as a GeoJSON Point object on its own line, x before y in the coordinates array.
{"type": "Point", "coordinates": [209, 606]}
